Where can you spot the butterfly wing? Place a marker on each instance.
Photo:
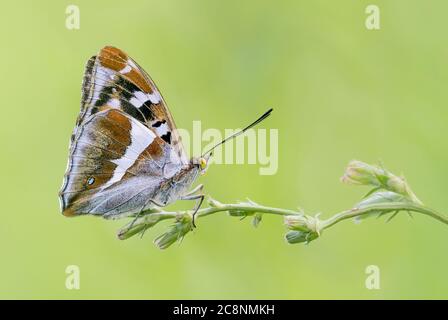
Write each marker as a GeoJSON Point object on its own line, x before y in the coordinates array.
{"type": "Point", "coordinates": [115, 80]}
{"type": "Point", "coordinates": [116, 164]}
{"type": "Point", "coordinates": [125, 143]}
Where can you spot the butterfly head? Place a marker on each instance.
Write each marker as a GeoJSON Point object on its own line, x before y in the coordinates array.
{"type": "Point", "coordinates": [202, 162]}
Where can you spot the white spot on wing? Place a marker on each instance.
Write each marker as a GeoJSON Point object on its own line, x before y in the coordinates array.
{"type": "Point", "coordinates": [132, 64]}
{"type": "Point", "coordinates": [162, 129]}
{"type": "Point", "coordinates": [141, 138]}
{"type": "Point", "coordinates": [140, 98]}
{"type": "Point", "coordinates": [154, 97]}
{"type": "Point", "coordinates": [135, 102]}
{"type": "Point", "coordinates": [114, 103]}
{"type": "Point", "coordinates": [126, 69]}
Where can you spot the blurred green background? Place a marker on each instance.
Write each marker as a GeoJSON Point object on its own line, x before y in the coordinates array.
{"type": "Point", "coordinates": [340, 92]}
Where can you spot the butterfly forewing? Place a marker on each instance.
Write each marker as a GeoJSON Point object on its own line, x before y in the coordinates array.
{"type": "Point", "coordinates": [125, 143]}
{"type": "Point", "coordinates": [118, 82]}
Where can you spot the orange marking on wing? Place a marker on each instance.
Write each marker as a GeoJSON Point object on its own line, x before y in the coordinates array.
{"type": "Point", "coordinates": [119, 118]}
{"type": "Point", "coordinates": [154, 150]}
{"type": "Point", "coordinates": [113, 128]}
{"type": "Point", "coordinates": [137, 78]}
{"type": "Point", "coordinates": [160, 113]}
{"type": "Point", "coordinates": [113, 58]}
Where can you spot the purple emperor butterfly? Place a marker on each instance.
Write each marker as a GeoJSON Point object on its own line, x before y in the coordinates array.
{"type": "Point", "coordinates": [125, 154]}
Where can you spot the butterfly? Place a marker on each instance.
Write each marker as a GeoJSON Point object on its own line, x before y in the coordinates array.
{"type": "Point", "coordinates": [126, 156]}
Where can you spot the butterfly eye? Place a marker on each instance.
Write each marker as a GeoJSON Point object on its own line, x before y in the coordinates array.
{"type": "Point", "coordinates": [91, 181]}
{"type": "Point", "coordinates": [203, 163]}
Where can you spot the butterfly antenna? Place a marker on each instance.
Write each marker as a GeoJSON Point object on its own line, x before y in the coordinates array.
{"type": "Point", "coordinates": [236, 134]}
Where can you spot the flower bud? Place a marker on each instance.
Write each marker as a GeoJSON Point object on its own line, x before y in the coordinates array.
{"type": "Point", "coordinates": [303, 228]}
{"type": "Point", "coordinates": [360, 173]}
{"type": "Point", "coordinates": [297, 222]}
{"type": "Point", "coordinates": [397, 184]}
{"type": "Point", "coordinates": [300, 236]}
{"type": "Point", "coordinates": [176, 232]}
{"type": "Point", "coordinates": [140, 225]}
{"type": "Point", "coordinates": [382, 197]}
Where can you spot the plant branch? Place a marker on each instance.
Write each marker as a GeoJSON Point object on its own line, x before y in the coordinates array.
{"type": "Point", "coordinates": [389, 207]}
{"type": "Point", "coordinates": [390, 195]}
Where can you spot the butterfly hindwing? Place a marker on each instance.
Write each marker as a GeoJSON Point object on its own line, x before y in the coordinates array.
{"type": "Point", "coordinates": [115, 165]}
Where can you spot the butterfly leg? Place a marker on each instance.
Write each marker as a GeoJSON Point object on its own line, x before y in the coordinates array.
{"type": "Point", "coordinates": [199, 198]}
{"type": "Point", "coordinates": [195, 190]}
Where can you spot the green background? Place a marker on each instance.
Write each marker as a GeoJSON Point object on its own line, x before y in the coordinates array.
{"type": "Point", "coordinates": [339, 91]}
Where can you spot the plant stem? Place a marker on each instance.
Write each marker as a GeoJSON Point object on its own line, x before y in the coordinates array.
{"type": "Point", "coordinates": [148, 219]}
{"type": "Point", "coordinates": [251, 208]}
{"type": "Point", "coordinates": [390, 195]}
{"type": "Point", "coordinates": [386, 207]}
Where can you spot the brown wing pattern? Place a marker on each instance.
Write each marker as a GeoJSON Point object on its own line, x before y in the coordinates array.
{"type": "Point", "coordinates": [115, 80]}
{"type": "Point", "coordinates": [124, 144]}
{"type": "Point", "coordinates": [114, 159]}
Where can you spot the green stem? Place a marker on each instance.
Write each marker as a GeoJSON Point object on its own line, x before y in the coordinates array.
{"type": "Point", "coordinates": [385, 207]}
{"type": "Point", "coordinates": [150, 219]}
{"type": "Point", "coordinates": [391, 194]}
{"type": "Point", "coordinates": [250, 208]}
